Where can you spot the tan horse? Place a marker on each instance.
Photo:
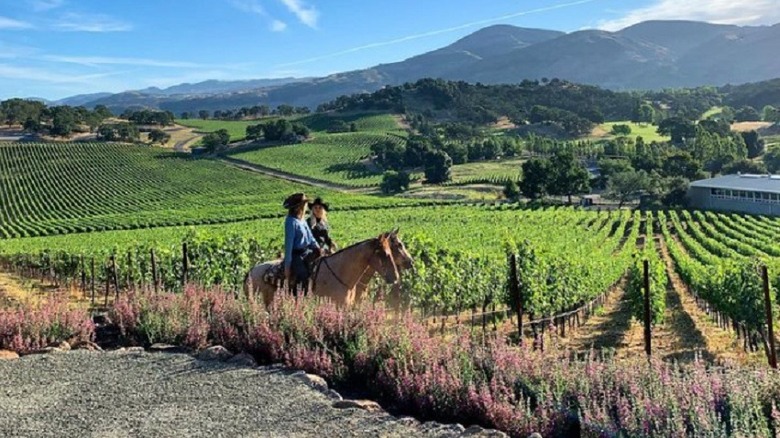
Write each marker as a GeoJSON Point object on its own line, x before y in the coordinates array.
{"type": "Point", "coordinates": [403, 261]}
{"type": "Point", "coordinates": [338, 275]}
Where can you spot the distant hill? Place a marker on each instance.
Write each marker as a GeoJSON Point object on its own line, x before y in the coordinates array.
{"type": "Point", "coordinates": [649, 55]}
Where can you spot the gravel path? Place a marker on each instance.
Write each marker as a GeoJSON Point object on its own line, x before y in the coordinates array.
{"type": "Point", "coordinates": [139, 394]}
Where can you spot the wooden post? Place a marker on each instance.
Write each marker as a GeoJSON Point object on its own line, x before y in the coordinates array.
{"type": "Point", "coordinates": [648, 348]}
{"type": "Point", "coordinates": [108, 282]}
{"type": "Point", "coordinates": [154, 270]}
{"type": "Point", "coordinates": [93, 282]}
{"type": "Point", "coordinates": [83, 275]}
{"type": "Point", "coordinates": [114, 276]}
{"type": "Point", "coordinates": [772, 353]}
{"type": "Point", "coordinates": [185, 264]}
{"type": "Point", "coordinates": [514, 291]}
{"type": "Point", "coordinates": [127, 270]}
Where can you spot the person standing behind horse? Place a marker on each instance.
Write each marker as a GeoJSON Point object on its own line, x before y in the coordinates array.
{"type": "Point", "coordinates": [300, 247]}
{"type": "Point", "coordinates": [320, 228]}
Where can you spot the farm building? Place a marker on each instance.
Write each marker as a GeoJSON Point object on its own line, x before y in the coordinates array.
{"type": "Point", "coordinates": [754, 194]}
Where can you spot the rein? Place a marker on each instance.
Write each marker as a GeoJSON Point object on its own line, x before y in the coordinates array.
{"type": "Point", "coordinates": [336, 276]}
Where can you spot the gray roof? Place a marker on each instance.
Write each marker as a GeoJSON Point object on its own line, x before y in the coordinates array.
{"type": "Point", "coordinates": [757, 183]}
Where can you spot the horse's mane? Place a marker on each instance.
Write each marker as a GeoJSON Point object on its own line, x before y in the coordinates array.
{"type": "Point", "coordinates": [342, 250]}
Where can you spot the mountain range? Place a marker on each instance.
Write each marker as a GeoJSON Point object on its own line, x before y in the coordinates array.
{"type": "Point", "coordinates": [648, 55]}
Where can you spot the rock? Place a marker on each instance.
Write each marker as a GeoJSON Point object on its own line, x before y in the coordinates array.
{"type": "Point", "coordinates": [86, 345]}
{"type": "Point", "coordinates": [243, 359]}
{"type": "Point", "coordinates": [48, 350]}
{"type": "Point", "coordinates": [8, 355]}
{"type": "Point", "coordinates": [133, 349]}
{"type": "Point", "coordinates": [64, 345]}
{"type": "Point", "coordinates": [366, 405]}
{"type": "Point", "coordinates": [334, 395]}
{"type": "Point", "coordinates": [217, 352]}
{"type": "Point", "coordinates": [168, 348]}
{"type": "Point", "coordinates": [312, 380]}
{"type": "Point", "coordinates": [535, 435]}
{"type": "Point", "coordinates": [481, 432]}
{"type": "Point", "coordinates": [408, 421]}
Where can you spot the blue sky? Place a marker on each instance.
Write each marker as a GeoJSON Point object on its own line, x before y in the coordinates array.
{"type": "Point", "coordinates": [58, 48]}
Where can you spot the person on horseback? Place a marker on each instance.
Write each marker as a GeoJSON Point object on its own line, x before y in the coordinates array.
{"type": "Point", "coordinates": [301, 250]}
{"type": "Point", "coordinates": [320, 228]}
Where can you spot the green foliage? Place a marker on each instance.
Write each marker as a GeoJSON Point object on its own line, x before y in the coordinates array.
{"type": "Point", "coordinates": [747, 114]}
{"type": "Point", "coordinates": [511, 190]}
{"type": "Point", "coordinates": [744, 166]}
{"type": "Point", "coordinates": [437, 167]}
{"type": "Point", "coordinates": [159, 136]}
{"type": "Point", "coordinates": [658, 280]}
{"type": "Point", "coordinates": [394, 182]}
{"type": "Point", "coordinates": [753, 142]}
{"type": "Point", "coordinates": [536, 175]}
{"type": "Point", "coordinates": [627, 186]}
{"type": "Point", "coordinates": [216, 141]}
{"type": "Point", "coordinates": [149, 117]}
{"type": "Point", "coordinates": [770, 114]}
{"type": "Point", "coordinates": [568, 175]}
{"type": "Point", "coordinates": [772, 159]}
{"type": "Point", "coordinates": [621, 130]}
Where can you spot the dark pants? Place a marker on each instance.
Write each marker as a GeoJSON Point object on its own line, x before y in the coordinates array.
{"type": "Point", "coordinates": [301, 271]}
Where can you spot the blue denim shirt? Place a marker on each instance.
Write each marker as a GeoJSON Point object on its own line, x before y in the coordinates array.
{"type": "Point", "coordinates": [297, 235]}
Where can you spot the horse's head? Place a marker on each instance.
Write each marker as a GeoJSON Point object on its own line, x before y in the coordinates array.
{"type": "Point", "coordinates": [401, 256]}
{"type": "Point", "coordinates": [383, 261]}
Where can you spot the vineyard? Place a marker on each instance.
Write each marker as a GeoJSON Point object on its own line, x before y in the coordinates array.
{"type": "Point", "coordinates": [337, 158]}
{"type": "Point", "coordinates": [236, 128]}
{"type": "Point", "coordinates": [61, 188]}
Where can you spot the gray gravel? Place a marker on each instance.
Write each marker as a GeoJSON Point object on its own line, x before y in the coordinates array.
{"type": "Point", "coordinates": [139, 394]}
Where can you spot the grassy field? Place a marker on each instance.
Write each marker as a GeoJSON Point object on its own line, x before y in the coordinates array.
{"type": "Point", "coordinates": [712, 112]}
{"type": "Point", "coordinates": [487, 171]}
{"type": "Point", "coordinates": [63, 188]}
{"type": "Point", "coordinates": [236, 128]}
{"type": "Point", "coordinates": [646, 131]}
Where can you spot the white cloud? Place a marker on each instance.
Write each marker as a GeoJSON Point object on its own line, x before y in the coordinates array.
{"type": "Point", "coordinates": [10, 23]}
{"type": "Point", "coordinates": [715, 11]}
{"type": "Point", "coordinates": [252, 6]}
{"type": "Point", "coordinates": [72, 22]}
{"type": "Point", "coordinates": [435, 32]}
{"type": "Point", "coordinates": [306, 13]}
{"type": "Point", "coordinates": [39, 75]}
{"type": "Point", "coordinates": [45, 5]}
{"type": "Point", "coordinates": [278, 26]}
{"type": "Point", "coordinates": [93, 61]}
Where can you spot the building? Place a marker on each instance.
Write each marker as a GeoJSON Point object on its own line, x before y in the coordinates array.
{"type": "Point", "coordinates": [745, 193]}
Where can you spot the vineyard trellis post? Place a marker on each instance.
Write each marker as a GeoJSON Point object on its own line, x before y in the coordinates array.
{"type": "Point", "coordinates": [772, 353]}
{"type": "Point", "coordinates": [515, 292]}
{"type": "Point", "coordinates": [114, 276]}
{"type": "Point", "coordinates": [92, 280]}
{"type": "Point", "coordinates": [185, 264]}
{"type": "Point", "coordinates": [154, 270]}
{"type": "Point", "coordinates": [646, 272]}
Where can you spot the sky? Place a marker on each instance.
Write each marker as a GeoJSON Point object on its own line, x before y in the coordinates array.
{"type": "Point", "coordinates": [58, 48]}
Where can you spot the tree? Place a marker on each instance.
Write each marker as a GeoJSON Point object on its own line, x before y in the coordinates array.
{"type": "Point", "coordinates": [215, 141]}
{"type": "Point", "coordinates": [771, 114]}
{"type": "Point", "coordinates": [568, 175]}
{"type": "Point", "coordinates": [747, 114]}
{"type": "Point", "coordinates": [159, 136]}
{"type": "Point", "coordinates": [63, 120]}
{"type": "Point", "coordinates": [511, 190]}
{"type": "Point", "coordinates": [185, 115]}
{"type": "Point", "coordinates": [677, 128]}
{"type": "Point", "coordinates": [754, 143]}
{"type": "Point", "coordinates": [621, 129]}
{"type": "Point", "coordinates": [676, 192]}
{"type": "Point", "coordinates": [437, 166]}
{"type": "Point", "coordinates": [103, 112]}
{"type": "Point", "coordinates": [389, 154]}
{"type": "Point", "coordinates": [772, 158]}
{"type": "Point", "coordinates": [627, 185]}
{"type": "Point", "coordinates": [536, 174]}
{"type": "Point", "coordinates": [417, 148]}
{"type": "Point", "coordinates": [32, 126]}
{"type": "Point", "coordinates": [646, 113]}
{"type": "Point", "coordinates": [611, 166]}
{"type": "Point", "coordinates": [682, 164]}
{"type": "Point", "coordinates": [745, 166]}
{"type": "Point", "coordinates": [254, 132]}
{"type": "Point", "coordinates": [203, 114]}
{"type": "Point", "coordinates": [394, 182]}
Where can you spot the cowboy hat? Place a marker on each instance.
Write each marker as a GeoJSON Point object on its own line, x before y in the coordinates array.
{"type": "Point", "coordinates": [319, 201]}
{"type": "Point", "coordinates": [295, 200]}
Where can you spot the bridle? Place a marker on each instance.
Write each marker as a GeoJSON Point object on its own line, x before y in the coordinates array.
{"type": "Point", "coordinates": [324, 261]}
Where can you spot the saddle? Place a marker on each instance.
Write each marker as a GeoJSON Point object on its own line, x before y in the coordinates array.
{"type": "Point", "coordinates": [274, 276]}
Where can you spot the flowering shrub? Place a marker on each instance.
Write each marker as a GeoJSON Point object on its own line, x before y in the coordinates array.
{"type": "Point", "coordinates": [466, 379]}
{"type": "Point", "coordinates": [27, 327]}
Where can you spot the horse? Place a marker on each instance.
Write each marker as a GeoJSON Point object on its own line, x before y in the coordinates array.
{"type": "Point", "coordinates": [403, 261]}
{"type": "Point", "coordinates": [338, 276]}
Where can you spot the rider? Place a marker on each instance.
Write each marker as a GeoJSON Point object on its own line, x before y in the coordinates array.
{"type": "Point", "coordinates": [320, 228]}
{"type": "Point", "coordinates": [300, 248]}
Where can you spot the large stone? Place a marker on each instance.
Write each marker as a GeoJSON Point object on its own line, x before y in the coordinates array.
{"type": "Point", "coordinates": [86, 345]}
{"type": "Point", "coordinates": [168, 348]}
{"type": "Point", "coordinates": [243, 359]}
{"type": "Point", "coordinates": [334, 395]}
{"type": "Point", "coordinates": [63, 345]}
{"type": "Point", "coordinates": [8, 355]}
{"type": "Point", "coordinates": [215, 353]}
{"type": "Point", "coordinates": [312, 380]}
{"type": "Point", "coordinates": [481, 432]}
{"type": "Point", "coordinates": [366, 405]}
{"type": "Point", "coordinates": [48, 350]}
